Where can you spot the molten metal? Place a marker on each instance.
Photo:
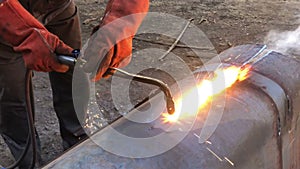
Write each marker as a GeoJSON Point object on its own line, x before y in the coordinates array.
{"type": "Point", "coordinates": [223, 79]}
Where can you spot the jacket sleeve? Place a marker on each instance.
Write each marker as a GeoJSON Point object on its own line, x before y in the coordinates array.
{"type": "Point", "coordinates": [29, 37]}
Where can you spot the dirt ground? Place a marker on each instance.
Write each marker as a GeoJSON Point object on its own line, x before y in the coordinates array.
{"type": "Point", "coordinates": [226, 23]}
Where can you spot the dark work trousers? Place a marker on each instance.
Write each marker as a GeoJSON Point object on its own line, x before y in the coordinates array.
{"type": "Point", "coordinates": [13, 116]}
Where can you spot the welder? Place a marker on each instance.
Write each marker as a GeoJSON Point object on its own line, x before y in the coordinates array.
{"type": "Point", "coordinates": [32, 33]}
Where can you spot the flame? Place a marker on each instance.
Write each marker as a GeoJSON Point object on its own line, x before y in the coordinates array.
{"type": "Point", "coordinates": [223, 79]}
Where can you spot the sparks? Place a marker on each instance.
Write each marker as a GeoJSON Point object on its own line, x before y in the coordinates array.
{"type": "Point", "coordinates": [223, 79]}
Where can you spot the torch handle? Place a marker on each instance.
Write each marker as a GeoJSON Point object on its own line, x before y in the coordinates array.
{"type": "Point", "coordinates": [67, 60]}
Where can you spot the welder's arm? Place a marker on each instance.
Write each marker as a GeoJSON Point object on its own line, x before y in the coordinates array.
{"type": "Point", "coordinates": [29, 37]}
{"type": "Point", "coordinates": [111, 43]}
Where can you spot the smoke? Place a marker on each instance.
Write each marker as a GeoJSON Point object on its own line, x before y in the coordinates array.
{"type": "Point", "coordinates": [287, 42]}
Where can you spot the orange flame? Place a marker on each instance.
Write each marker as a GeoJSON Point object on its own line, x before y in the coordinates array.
{"type": "Point", "coordinates": [223, 78]}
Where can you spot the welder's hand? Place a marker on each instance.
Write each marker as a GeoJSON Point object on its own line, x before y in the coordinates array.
{"type": "Point", "coordinates": [29, 37]}
{"type": "Point", "coordinates": [111, 42]}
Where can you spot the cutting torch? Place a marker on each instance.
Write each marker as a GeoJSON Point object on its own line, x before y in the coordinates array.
{"type": "Point", "coordinates": [75, 59]}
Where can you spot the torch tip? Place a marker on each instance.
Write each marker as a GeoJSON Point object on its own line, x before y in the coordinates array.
{"type": "Point", "coordinates": [170, 106]}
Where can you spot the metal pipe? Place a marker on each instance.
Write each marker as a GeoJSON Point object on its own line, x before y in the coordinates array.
{"type": "Point", "coordinates": [259, 127]}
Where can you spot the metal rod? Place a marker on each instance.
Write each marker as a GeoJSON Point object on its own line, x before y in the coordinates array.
{"type": "Point", "coordinates": [177, 40]}
{"type": "Point", "coordinates": [170, 44]}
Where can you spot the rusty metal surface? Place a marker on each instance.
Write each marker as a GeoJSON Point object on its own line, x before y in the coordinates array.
{"type": "Point", "coordinates": [285, 71]}
{"type": "Point", "coordinates": [258, 127]}
{"type": "Point", "coordinates": [244, 136]}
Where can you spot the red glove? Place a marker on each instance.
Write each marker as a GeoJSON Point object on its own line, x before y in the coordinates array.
{"type": "Point", "coordinates": [29, 37]}
{"type": "Point", "coordinates": [111, 45]}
